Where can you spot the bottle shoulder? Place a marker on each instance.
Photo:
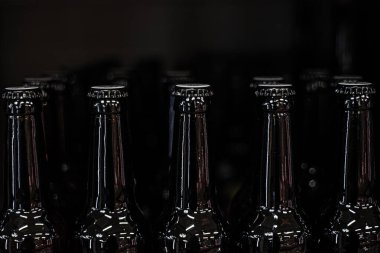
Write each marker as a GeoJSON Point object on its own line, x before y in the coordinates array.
{"type": "Point", "coordinates": [18, 226]}
{"type": "Point", "coordinates": [104, 223]}
{"type": "Point", "coordinates": [282, 225]}
{"type": "Point", "coordinates": [360, 218]}
{"type": "Point", "coordinates": [201, 224]}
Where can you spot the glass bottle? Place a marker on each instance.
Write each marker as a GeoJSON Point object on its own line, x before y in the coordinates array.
{"type": "Point", "coordinates": [194, 226]}
{"type": "Point", "coordinates": [356, 225]}
{"type": "Point", "coordinates": [108, 225]}
{"type": "Point", "coordinates": [277, 227]}
{"type": "Point", "coordinates": [25, 226]}
{"type": "Point", "coordinates": [243, 203]}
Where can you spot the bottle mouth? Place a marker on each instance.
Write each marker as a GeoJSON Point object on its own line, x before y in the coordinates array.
{"type": "Point", "coordinates": [108, 87]}
{"type": "Point", "coordinates": [22, 88]}
{"type": "Point", "coordinates": [193, 86]}
{"type": "Point", "coordinates": [355, 84]}
{"type": "Point", "coordinates": [275, 85]}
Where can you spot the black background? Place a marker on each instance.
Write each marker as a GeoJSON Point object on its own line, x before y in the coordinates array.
{"type": "Point", "coordinates": [224, 43]}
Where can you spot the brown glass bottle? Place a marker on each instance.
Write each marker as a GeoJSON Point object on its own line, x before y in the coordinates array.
{"type": "Point", "coordinates": [194, 226]}
{"type": "Point", "coordinates": [108, 225]}
{"type": "Point", "coordinates": [356, 226]}
{"type": "Point", "coordinates": [277, 226]}
{"type": "Point", "coordinates": [24, 226]}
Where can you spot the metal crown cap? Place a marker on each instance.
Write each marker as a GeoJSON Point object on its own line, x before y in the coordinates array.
{"type": "Point", "coordinates": [22, 93]}
{"type": "Point", "coordinates": [192, 90]}
{"type": "Point", "coordinates": [355, 88]}
{"type": "Point", "coordinates": [275, 90]}
{"type": "Point", "coordinates": [108, 91]}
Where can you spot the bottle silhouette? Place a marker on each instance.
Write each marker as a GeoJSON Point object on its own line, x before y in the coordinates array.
{"type": "Point", "coordinates": [108, 225]}
{"type": "Point", "coordinates": [356, 225]}
{"type": "Point", "coordinates": [277, 226]}
{"type": "Point", "coordinates": [24, 225]}
{"type": "Point", "coordinates": [243, 204]}
{"type": "Point", "coordinates": [194, 226]}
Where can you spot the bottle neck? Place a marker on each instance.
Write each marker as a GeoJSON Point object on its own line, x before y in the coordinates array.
{"type": "Point", "coordinates": [190, 157]}
{"type": "Point", "coordinates": [276, 175]}
{"type": "Point", "coordinates": [24, 155]}
{"type": "Point", "coordinates": [107, 180]}
{"type": "Point", "coordinates": [358, 166]}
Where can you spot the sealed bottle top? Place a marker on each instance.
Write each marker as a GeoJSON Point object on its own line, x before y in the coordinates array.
{"type": "Point", "coordinates": [21, 93]}
{"type": "Point", "coordinates": [355, 88]}
{"type": "Point", "coordinates": [22, 100]}
{"type": "Point", "coordinates": [192, 90]}
{"type": "Point", "coordinates": [275, 90]}
{"type": "Point", "coordinates": [108, 91]}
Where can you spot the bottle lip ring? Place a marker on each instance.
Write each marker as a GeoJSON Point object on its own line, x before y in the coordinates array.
{"type": "Point", "coordinates": [108, 87]}
{"type": "Point", "coordinates": [275, 85]}
{"type": "Point", "coordinates": [193, 85]}
{"type": "Point", "coordinates": [21, 88]}
{"type": "Point", "coordinates": [22, 92]}
{"type": "Point", "coordinates": [352, 84]}
{"type": "Point", "coordinates": [108, 91]}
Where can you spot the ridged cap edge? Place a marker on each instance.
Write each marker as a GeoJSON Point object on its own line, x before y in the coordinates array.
{"type": "Point", "coordinates": [355, 88]}
{"type": "Point", "coordinates": [192, 90]}
{"type": "Point", "coordinates": [22, 93]}
{"type": "Point", "coordinates": [103, 92]}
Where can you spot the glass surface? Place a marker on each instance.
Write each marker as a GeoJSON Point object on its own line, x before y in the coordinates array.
{"type": "Point", "coordinates": [24, 226]}
{"type": "Point", "coordinates": [194, 226]}
{"type": "Point", "coordinates": [108, 225]}
{"type": "Point", "coordinates": [277, 227]}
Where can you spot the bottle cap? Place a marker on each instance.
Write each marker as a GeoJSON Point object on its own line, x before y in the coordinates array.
{"type": "Point", "coordinates": [108, 91]}
{"type": "Point", "coordinates": [355, 88]}
{"type": "Point", "coordinates": [22, 93]}
{"type": "Point", "coordinates": [275, 90]}
{"type": "Point", "coordinates": [192, 90]}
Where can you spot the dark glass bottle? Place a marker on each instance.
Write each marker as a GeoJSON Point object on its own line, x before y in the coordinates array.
{"type": "Point", "coordinates": [108, 225]}
{"type": "Point", "coordinates": [278, 226]}
{"type": "Point", "coordinates": [194, 226]}
{"type": "Point", "coordinates": [244, 202]}
{"type": "Point", "coordinates": [356, 226]}
{"type": "Point", "coordinates": [25, 227]}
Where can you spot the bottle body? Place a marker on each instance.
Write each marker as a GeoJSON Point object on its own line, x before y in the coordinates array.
{"type": "Point", "coordinates": [25, 224]}
{"type": "Point", "coordinates": [356, 225]}
{"type": "Point", "coordinates": [194, 226]}
{"type": "Point", "coordinates": [108, 225]}
{"type": "Point", "coordinates": [278, 227]}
